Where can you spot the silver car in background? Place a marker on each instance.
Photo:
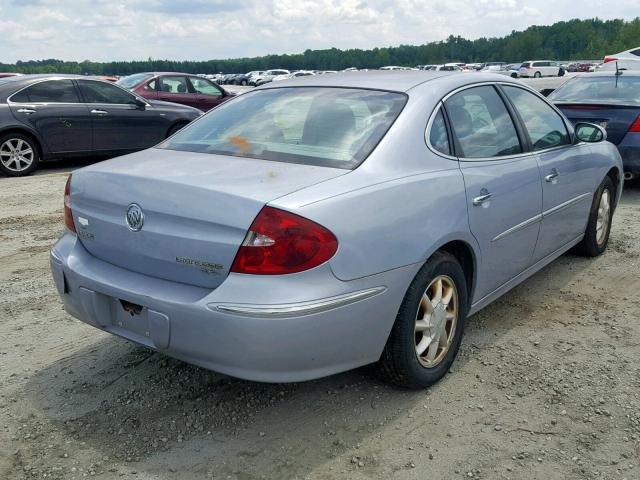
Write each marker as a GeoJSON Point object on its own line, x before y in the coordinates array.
{"type": "Point", "coordinates": [323, 223]}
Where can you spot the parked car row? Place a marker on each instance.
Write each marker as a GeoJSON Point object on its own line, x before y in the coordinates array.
{"type": "Point", "coordinates": [45, 117]}
{"type": "Point", "coordinates": [183, 88]}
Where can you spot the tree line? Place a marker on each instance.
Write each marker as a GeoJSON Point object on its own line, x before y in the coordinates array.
{"type": "Point", "coordinates": [570, 40]}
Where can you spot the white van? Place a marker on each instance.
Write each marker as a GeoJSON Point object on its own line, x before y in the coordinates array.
{"type": "Point", "coordinates": [540, 68]}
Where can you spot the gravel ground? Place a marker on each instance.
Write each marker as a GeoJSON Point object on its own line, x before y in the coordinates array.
{"type": "Point", "coordinates": [546, 386]}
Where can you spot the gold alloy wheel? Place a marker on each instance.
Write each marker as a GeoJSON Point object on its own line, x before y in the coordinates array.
{"type": "Point", "coordinates": [604, 213]}
{"type": "Point", "coordinates": [436, 321]}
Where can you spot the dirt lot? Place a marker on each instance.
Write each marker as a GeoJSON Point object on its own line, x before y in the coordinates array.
{"type": "Point", "coordinates": [547, 384]}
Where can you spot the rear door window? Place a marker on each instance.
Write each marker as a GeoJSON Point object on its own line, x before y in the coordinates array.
{"type": "Point", "coordinates": [545, 127]}
{"type": "Point", "coordinates": [482, 124]}
{"type": "Point", "coordinates": [174, 84]}
{"type": "Point", "coordinates": [51, 91]}
{"type": "Point", "coordinates": [102, 92]}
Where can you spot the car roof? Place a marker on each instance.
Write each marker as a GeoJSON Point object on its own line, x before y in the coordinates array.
{"type": "Point", "coordinates": [390, 80]}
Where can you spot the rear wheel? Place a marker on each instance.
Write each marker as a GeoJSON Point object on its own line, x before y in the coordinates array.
{"type": "Point", "coordinates": [596, 236]}
{"type": "Point", "coordinates": [18, 155]}
{"type": "Point", "coordinates": [428, 329]}
{"type": "Point", "coordinates": [537, 75]}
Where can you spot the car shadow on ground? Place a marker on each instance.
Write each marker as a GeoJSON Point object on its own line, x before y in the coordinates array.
{"type": "Point", "coordinates": [67, 165]}
{"type": "Point", "coordinates": [134, 405]}
{"type": "Point", "coordinates": [151, 412]}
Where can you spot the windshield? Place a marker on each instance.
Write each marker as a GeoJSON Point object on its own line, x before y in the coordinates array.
{"type": "Point", "coordinates": [334, 127]}
{"type": "Point", "coordinates": [606, 89]}
{"type": "Point", "coordinates": [133, 80]}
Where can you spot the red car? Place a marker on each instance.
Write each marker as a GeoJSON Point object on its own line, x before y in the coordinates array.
{"type": "Point", "coordinates": [174, 87]}
{"type": "Point", "coordinates": [8, 74]}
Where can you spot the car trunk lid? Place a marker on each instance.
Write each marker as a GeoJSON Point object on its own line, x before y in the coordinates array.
{"type": "Point", "coordinates": [197, 209]}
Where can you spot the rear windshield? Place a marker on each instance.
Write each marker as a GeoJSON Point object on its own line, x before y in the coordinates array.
{"type": "Point", "coordinates": [333, 127]}
{"type": "Point", "coordinates": [133, 80]}
{"type": "Point", "coordinates": [610, 89]}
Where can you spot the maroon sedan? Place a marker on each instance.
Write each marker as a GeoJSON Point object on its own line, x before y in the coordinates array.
{"type": "Point", "coordinates": [174, 87]}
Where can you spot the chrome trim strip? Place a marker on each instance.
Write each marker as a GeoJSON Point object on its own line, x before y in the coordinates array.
{"type": "Point", "coordinates": [517, 227]}
{"type": "Point", "coordinates": [297, 309]}
{"type": "Point", "coordinates": [564, 205]}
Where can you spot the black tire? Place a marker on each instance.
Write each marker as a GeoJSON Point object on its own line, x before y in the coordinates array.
{"type": "Point", "coordinates": [537, 75]}
{"type": "Point", "coordinates": [561, 72]}
{"type": "Point", "coordinates": [399, 362]}
{"type": "Point", "coordinates": [514, 75]}
{"type": "Point", "coordinates": [175, 128]}
{"type": "Point", "coordinates": [590, 246]}
{"type": "Point", "coordinates": [14, 168]}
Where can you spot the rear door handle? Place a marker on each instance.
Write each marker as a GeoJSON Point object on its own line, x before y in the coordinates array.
{"type": "Point", "coordinates": [100, 113]}
{"type": "Point", "coordinates": [484, 197]}
{"type": "Point", "coordinates": [552, 176]}
{"type": "Point", "coordinates": [26, 111]}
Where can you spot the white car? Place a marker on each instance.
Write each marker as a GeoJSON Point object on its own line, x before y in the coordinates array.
{"type": "Point", "coordinates": [267, 76]}
{"type": "Point", "coordinates": [540, 68]}
{"type": "Point", "coordinates": [632, 54]}
{"type": "Point", "coordinates": [448, 67]}
{"type": "Point", "coordinates": [299, 73]}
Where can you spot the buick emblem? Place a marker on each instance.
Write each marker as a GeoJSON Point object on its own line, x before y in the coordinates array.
{"type": "Point", "coordinates": [134, 217]}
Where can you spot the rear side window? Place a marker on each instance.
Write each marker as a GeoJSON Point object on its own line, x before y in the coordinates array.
{"type": "Point", "coordinates": [51, 91]}
{"type": "Point", "coordinates": [545, 127]}
{"type": "Point", "coordinates": [174, 85]}
{"type": "Point", "coordinates": [482, 124]}
{"type": "Point", "coordinates": [102, 92]}
{"type": "Point", "coordinates": [133, 80]}
{"type": "Point", "coordinates": [334, 127]}
{"type": "Point", "coordinates": [438, 134]}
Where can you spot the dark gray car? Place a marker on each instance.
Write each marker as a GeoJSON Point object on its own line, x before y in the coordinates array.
{"type": "Point", "coordinates": [45, 117]}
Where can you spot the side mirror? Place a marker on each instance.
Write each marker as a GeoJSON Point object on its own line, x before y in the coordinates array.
{"type": "Point", "coordinates": [140, 104]}
{"type": "Point", "coordinates": [589, 132]}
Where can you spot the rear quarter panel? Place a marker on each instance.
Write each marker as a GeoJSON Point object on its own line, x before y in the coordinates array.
{"type": "Point", "coordinates": [395, 209]}
{"type": "Point", "coordinates": [605, 156]}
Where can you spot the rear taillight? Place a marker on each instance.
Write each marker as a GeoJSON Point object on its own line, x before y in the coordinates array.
{"type": "Point", "coordinates": [280, 242]}
{"type": "Point", "coordinates": [68, 216]}
{"type": "Point", "coordinates": [635, 126]}
{"type": "Point", "coordinates": [609, 59]}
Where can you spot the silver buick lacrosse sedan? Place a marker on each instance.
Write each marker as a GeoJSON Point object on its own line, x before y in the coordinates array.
{"type": "Point", "coordinates": [318, 224]}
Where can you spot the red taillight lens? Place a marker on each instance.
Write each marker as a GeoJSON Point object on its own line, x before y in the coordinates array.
{"type": "Point", "coordinates": [68, 216]}
{"type": "Point", "coordinates": [280, 242]}
{"type": "Point", "coordinates": [635, 126]}
{"type": "Point", "coordinates": [609, 59]}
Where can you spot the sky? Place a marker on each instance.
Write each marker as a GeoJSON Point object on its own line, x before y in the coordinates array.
{"type": "Point", "coordinates": [105, 30]}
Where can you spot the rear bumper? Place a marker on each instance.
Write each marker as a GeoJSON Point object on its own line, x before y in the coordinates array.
{"type": "Point", "coordinates": [274, 329]}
